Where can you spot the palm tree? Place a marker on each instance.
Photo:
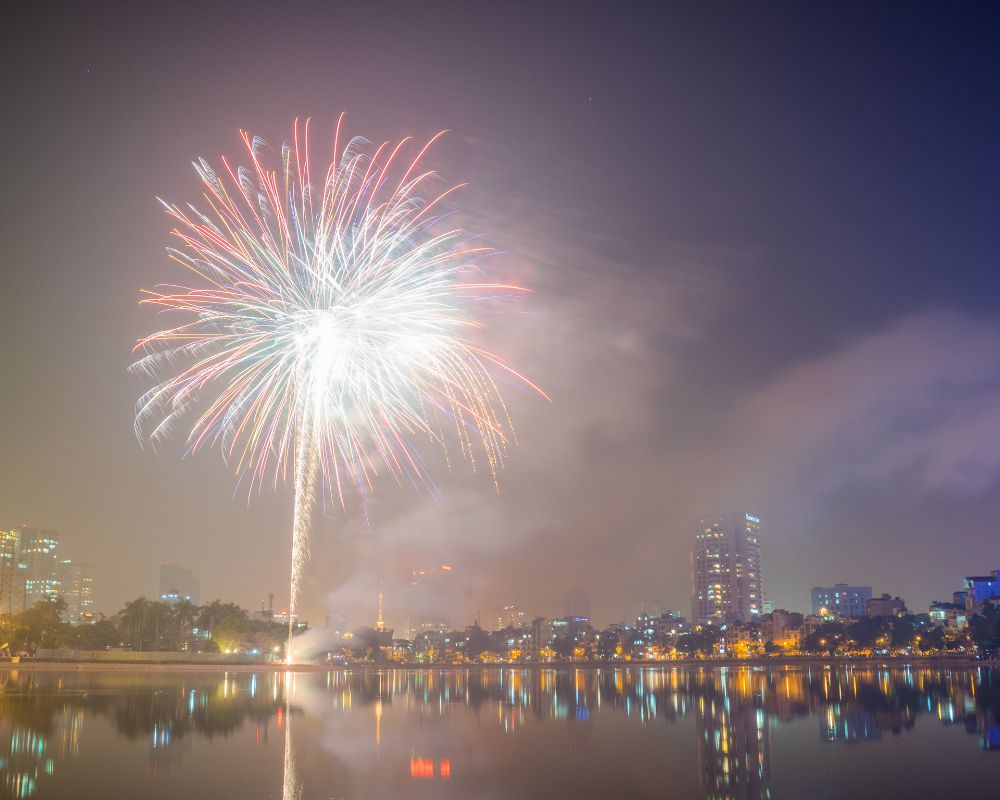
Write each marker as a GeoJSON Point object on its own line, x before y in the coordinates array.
{"type": "Point", "coordinates": [159, 617]}
{"type": "Point", "coordinates": [210, 614]}
{"type": "Point", "coordinates": [133, 619]}
{"type": "Point", "coordinates": [185, 614]}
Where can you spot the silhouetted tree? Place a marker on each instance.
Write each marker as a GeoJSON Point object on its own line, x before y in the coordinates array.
{"type": "Point", "coordinates": [985, 631]}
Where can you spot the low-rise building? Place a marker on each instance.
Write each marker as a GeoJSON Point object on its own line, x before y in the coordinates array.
{"type": "Point", "coordinates": [743, 641]}
{"type": "Point", "coordinates": [982, 589]}
{"type": "Point", "coordinates": [541, 629]}
{"type": "Point", "coordinates": [783, 629]}
{"type": "Point", "coordinates": [667, 626]}
{"type": "Point", "coordinates": [841, 600]}
{"type": "Point", "coordinates": [949, 615]}
{"type": "Point", "coordinates": [886, 606]}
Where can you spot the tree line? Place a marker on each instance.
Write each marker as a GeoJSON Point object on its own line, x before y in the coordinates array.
{"type": "Point", "coordinates": [144, 625]}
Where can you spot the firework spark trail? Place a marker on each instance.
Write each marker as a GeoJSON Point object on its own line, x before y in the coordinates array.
{"type": "Point", "coordinates": [307, 468]}
{"type": "Point", "coordinates": [332, 329]}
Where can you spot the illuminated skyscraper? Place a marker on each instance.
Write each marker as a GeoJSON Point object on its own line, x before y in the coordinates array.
{"type": "Point", "coordinates": [38, 565]}
{"type": "Point", "coordinates": [726, 580]}
{"type": "Point", "coordinates": [8, 570]}
{"type": "Point", "coordinates": [77, 589]}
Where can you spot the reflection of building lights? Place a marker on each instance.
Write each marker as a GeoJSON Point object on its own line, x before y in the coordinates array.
{"type": "Point", "coordinates": [735, 710]}
{"type": "Point", "coordinates": [421, 768]}
{"type": "Point", "coordinates": [161, 736]}
{"type": "Point", "coordinates": [424, 768]}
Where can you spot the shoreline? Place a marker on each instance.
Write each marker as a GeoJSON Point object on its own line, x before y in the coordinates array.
{"type": "Point", "coordinates": [963, 662]}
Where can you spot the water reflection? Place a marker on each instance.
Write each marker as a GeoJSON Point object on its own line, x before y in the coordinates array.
{"type": "Point", "coordinates": [291, 788]}
{"type": "Point", "coordinates": [396, 728]}
{"type": "Point", "coordinates": [42, 716]}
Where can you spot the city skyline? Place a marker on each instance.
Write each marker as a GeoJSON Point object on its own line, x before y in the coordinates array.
{"type": "Point", "coordinates": [425, 598]}
{"type": "Point", "coordinates": [33, 568]}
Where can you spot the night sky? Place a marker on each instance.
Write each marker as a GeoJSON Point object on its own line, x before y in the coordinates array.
{"type": "Point", "coordinates": [764, 244]}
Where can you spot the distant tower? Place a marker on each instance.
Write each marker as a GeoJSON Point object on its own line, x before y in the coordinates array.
{"type": "Point", "coordinates": [379, 620]}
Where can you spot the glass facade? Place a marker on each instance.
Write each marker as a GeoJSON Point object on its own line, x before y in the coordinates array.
{"type": "Point", "coordinates": [38, 565]}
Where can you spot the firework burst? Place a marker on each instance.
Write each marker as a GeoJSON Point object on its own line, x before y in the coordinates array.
{"type": "Point", "coordinates": [331, 329]}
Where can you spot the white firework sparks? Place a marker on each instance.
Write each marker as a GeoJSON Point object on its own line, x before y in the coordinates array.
{"type": "Point", "coordinates": [331, 329]}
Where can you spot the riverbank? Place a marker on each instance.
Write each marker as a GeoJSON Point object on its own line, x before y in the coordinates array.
{"type": "Point", "coordinates": [247, 667]}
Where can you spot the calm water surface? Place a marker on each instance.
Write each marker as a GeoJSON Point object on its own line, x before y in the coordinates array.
{"type": "Point", "coordinates": [796, 732]}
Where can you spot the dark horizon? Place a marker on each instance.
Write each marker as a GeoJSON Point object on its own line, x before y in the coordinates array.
{"type": "Point", "coordinates": [763, 248]}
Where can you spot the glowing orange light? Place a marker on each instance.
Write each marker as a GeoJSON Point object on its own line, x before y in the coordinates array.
{"type": "Point", "coordinates": [421, 768]}
{"type": "Point", "coordinates": [445, 769]}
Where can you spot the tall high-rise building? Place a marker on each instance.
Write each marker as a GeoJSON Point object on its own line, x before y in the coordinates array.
{"type": "Point", "coordinates": [726, 581]}
{"type": "Point", "coordinates": [177, 582]}
{"type": "Point", "coordinates": [38, 565]}
{"type": "Point", "coordinates": [77, 589]}
{"type": "Point", "coordinates": [8, 570]}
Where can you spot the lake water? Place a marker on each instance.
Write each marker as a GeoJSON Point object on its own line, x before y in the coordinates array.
{"type": "Point", "coordinates": [663, 732]}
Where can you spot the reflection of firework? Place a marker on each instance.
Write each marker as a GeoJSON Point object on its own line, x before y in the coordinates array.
{"type": "Point", "coordinates": [291, 788]}
{"type": "Point", "coordinates": [332, 326]}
